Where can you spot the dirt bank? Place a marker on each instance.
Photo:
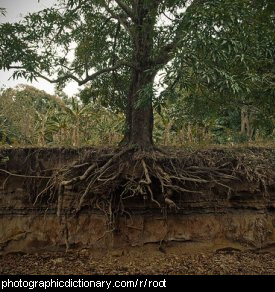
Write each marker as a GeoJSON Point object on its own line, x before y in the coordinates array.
{"type": "Point", "coordinates": [115, 198]}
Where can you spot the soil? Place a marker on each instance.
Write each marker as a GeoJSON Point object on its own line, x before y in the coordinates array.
{"type": "Point", "coordinates": [182, 259]}
{"type": "Point", "coordinates": [202, 182]}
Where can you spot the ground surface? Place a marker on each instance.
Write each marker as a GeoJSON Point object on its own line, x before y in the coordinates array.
{"type": "Point", "coordinates": [151, 259]}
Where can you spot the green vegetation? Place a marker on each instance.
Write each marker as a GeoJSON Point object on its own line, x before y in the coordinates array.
{"type": "Point", "coordinates": [215, 60]}
{"type": "Point", "coordinates": [31, 117]}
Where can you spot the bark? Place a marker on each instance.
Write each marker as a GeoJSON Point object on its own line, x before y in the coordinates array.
{"type": "Point", "coordinates": [139, 112]}
{"type": "Point", "coordinates": [247, 118]}
{"type": "Point", "coordinates": [167, 132]}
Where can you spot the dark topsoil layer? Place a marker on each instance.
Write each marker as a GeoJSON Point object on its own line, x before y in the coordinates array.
{"type": "Point", "coordinates": [31, 159]}
{"type": "Point", "coordinates": [160, 177]}
{"type": "Point", "coordinates": [247, 163]}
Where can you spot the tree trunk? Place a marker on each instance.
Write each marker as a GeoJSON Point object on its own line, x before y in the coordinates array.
{"type": "Point", "coordinates": [247, 118]}
{"type": "Point", "coordinates": [139, 112]}
{"type": "Point", "coordinates": [167, 131]}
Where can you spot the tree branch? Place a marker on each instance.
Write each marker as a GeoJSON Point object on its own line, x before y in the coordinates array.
{"type": "Point", "coordinates": [105, 70]}
{"type": "Point", "coordinates": [168, 51]}
{"type": "Point", "coordinates": [126, 9]}
{"type": "Point", "coordinates": [122, 19]}
{"type": "Point", "coordinates": [73, 77]}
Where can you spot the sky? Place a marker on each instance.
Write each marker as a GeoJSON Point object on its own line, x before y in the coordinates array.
{"type": "Point", "coordinates": [16, 9]}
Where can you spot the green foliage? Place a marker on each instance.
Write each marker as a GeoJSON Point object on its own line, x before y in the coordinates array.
{"type": "Point", "coordinates": [29, 116]}
{"type": "Point", "coordinates": [217, 57]}
{"type": "Point", "coordinates": [228, 56]}
{"type": "Point", "coordinates": [227, 45]}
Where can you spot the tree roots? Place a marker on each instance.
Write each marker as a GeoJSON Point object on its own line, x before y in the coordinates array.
{"type": "Point", "coordinates": [113, 180]}
{"type": "Point", "coordinates": [108, 181]}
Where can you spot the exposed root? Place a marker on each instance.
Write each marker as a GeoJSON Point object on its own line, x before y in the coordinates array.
{"type": "Point", "coordinates": [25, 176]}
{"type": "Point", "coordinates": [108, 181]}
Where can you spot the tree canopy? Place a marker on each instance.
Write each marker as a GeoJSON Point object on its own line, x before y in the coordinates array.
{"type": "Point", "coordinates": [221, 50]}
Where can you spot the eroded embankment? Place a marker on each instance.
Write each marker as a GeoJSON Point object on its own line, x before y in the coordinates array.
{"type": "Point", "coordinates": [229, 198]}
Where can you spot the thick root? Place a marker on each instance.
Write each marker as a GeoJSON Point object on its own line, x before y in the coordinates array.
{"type": "Point", "coordinates": [107, 181]}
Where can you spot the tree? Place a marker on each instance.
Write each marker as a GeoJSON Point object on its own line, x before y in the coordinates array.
{"type": "Point", "coordinates": [24, 112]}
{"type": "Point", "coordinates": [121, 45]}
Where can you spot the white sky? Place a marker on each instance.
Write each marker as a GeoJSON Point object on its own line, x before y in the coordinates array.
{"type": "Point", "coordinates": [15, 10]}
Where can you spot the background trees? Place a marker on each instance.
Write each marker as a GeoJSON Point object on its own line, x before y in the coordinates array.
{"type": "Point", "coordinates": [29, 116]}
